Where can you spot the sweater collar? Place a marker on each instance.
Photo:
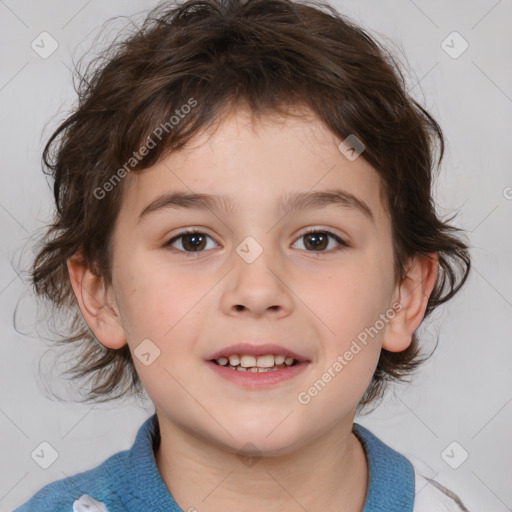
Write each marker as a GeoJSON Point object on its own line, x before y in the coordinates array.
{"type": "Point", "coordinates": [142, 469]}
{"type": "Point", "coordinates": [390, 482]}
{"type": "Point", "coordinates": [390, 475]}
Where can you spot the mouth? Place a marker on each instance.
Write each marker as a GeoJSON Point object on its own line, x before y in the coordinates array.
{"type": "Point", "coordinates": [257, 366]}
{"type": "Point", "coordinates": [253, 364]}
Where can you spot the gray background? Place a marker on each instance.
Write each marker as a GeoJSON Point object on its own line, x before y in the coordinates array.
{"type": "Point", "coordinates": [462, 394]}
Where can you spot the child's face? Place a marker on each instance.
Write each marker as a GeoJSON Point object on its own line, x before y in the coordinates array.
{"type": "Point", "coordinates": [314, 303]}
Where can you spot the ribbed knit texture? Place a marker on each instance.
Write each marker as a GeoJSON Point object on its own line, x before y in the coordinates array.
{"type": "Point", "coordinates": [391, 476]}
{"type": "Point", "coordinates": [129, 481]}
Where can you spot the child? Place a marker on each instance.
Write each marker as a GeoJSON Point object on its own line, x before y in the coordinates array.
{"type": "Point", "coordinates": [244, 216]}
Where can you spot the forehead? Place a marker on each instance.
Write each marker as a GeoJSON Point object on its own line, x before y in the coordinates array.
{"type": "Point", "coordinates": [256, 163]}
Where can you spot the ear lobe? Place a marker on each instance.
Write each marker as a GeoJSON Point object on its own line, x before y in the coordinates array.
{"type": "Point", "coordinates": [413, 294]}
{"type": "Point", "coordinates": [92, 296]}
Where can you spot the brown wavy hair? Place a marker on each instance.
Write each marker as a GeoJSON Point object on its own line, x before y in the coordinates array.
{"type": "Point", "coordinates": [266, 54]}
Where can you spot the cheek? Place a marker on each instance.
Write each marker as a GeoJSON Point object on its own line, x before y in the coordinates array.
{"type": "Point", "coordinates": [351, 302]}
{"type": "Point", "coordinates": [154, 302]}
{"type": "Point", "coordinates": [167, 310]}
{"type": "Point", "coordinates": [346, 301]}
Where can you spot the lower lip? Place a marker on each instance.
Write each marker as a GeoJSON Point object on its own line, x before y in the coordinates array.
{"type": "Point", "coordinates": [257, 379]}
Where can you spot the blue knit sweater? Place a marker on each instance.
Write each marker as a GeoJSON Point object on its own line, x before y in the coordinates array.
{"type": "Point", "coordinates": [129, 481]}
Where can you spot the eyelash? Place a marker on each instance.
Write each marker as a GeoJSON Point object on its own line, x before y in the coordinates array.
{"type": "Point", "coordinates": [342, 244]}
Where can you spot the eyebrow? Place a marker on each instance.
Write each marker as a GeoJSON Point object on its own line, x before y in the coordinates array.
{"type": "Point", "coordinates": [290, 202]}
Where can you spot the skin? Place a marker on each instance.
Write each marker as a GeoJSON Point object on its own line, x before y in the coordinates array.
{"type": "Point", "coordinates": [316, 303]}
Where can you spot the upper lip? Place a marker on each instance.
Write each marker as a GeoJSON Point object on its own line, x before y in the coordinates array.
{"type": "Point", "coordinates": [256, 350]}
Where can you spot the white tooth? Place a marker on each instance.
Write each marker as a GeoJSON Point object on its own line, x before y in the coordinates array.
{"type": "Point", "coordinates": [252, 369]}
{"type": "Point", "coordinates": [279, 359]}
{"type": "Point", "coordinates": [240, 369]}
{"type": "Point", "coordinates": [247, 361]}
{"type": "Point", "coordinates": [265, 361]}
{"type": "Point", "coordinates": [288, 361]}
{"type": "Point", "coordinates": [222, 361]}
{"type": "Point", "coordinates": [234, 360]}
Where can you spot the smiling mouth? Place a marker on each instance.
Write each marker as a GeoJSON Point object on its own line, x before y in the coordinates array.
{"type": "Point", "coordinates": [251, 365]}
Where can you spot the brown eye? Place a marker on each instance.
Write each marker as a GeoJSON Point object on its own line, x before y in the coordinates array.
{"type": "Point", "coordinates": [318, 241]}
{"type": "Point", "coordinates": [190, 241]}
{"type": "Point", "coordinates": [194, 242]}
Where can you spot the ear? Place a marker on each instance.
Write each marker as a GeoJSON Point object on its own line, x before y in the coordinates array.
{"type": "Point", "coordinates": [93, 298]}
{"type": "Point", "coordinates": [412, 294]}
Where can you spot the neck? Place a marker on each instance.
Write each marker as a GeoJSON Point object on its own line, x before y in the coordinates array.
{"type": "Point", "coordinates": [329, 473]}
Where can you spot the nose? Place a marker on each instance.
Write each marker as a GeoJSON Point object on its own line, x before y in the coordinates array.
{"type": "Point", "coordinates": [257, 288]}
